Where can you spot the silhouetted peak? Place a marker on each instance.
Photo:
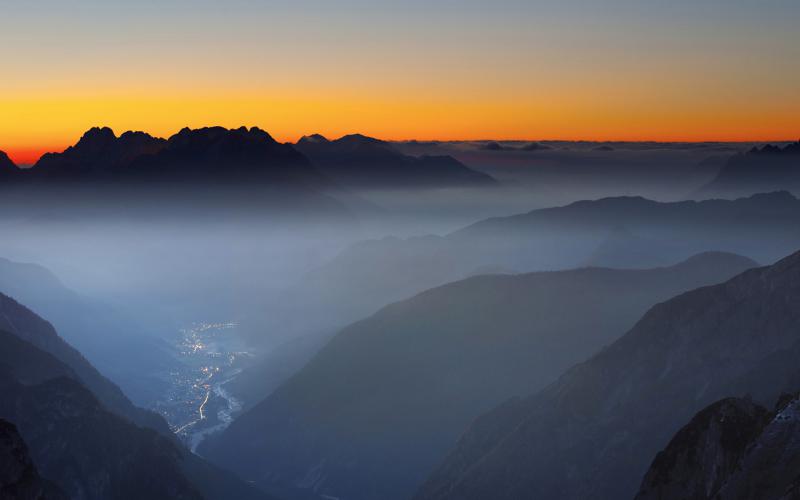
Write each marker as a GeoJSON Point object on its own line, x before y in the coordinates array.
{"type": "Point", "coordinates": [492, 146]}
{"type": "Point", "coordinates": [313, 139]}
{"type": "Point", "coordinates": [534, 146]}
{"type": "Point", "coordinates": [95, 139]}
{"type": "Point", "coordinates": [211, 134]}
{"type": "Point", "coordinates": [716, 258]}
{"type": "Point", "coordinates": [5, 162]}
{"type": "Point", "coordinates": [770, 149]}
{"type": "Point", "coordinates": [359, 138]}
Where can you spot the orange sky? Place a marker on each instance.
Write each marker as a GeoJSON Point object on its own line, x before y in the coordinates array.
{"type": "Point", "coordinates": [614, 70]}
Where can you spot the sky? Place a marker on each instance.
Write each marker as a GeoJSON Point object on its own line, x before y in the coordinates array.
{"type": "Point", "coordinates": [595, 70]}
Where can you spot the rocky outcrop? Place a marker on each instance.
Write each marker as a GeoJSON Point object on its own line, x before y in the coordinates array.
{"type": "Point", "coordinates": [732, 450]}
{"type": "Point", "coordinates": [19, 479]}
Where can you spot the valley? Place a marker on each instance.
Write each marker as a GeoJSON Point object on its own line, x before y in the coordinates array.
{"type": "Point", "coordinates": [197, 404]}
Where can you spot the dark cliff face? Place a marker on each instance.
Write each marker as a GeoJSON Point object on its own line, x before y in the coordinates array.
{"type": "Point", "coordinates": [192, 156]}
{"type": "Point", "coordinates": [382, 403]}
{"type": "Point", "coordinates": [593, 433]}
{"type": "Point", "coordinates": [89, 452]}
{"type": "Point", "coordinates": [358, 161]}
{"type": "Point", "coordinates": [732, 450]}
{"type": "Point", "coordinates": [706, 452]}
{"type": "Point", "coordinates": [19, 479]}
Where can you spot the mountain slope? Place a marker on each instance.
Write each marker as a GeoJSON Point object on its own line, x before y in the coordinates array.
{"type": "Point", "coordinates": [358, 161]}
{"type": "Point", "coordinates": [88, 451]}
{"type": "Point", "coordinates": [592, 433]}
{"type": "Point", "coordinates": [733, 449]}
{"type": "Point", "coordinates": [98, 155]}
{"type": "Point", "coordinates": [112, 342]}
{"type": "Point", "coordinates": [611, 232]}
{"type": "Point", "coordinates": [706, 452]}
{"type": "Point", "coordinates": [19, 479]}
{"type": "Point", "coordinates": [23, 323]}
{"type": "Point", "coordinates": [387, 397]}
{"type": "Point", "coordinates": [8, 170]}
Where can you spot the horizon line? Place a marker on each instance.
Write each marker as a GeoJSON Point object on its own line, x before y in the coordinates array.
{"type": "Point", "coordinates": [29, 155]}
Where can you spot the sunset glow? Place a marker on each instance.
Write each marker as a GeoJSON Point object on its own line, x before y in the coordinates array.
{"type": "Point", "coordinates": [520, 70]}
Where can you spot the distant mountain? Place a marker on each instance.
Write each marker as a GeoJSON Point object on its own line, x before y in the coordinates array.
{"type": "Point", "coordinates": [91, 451]}
{"type": "Point", "coordinates": [611, 232]}
{"type": "Point", "coordinates": [593, 433]}
{"type": "Point", "coordinates": [359, 161]}
{"type": "Point", "coordinates": [98, 156]}
{"type": "Point", "coordinates": [382, 403]}
{"type": "Point", "coordinates": [209, 170]}
{"type": "Point", "coordinates": [19, 479]}
{"type": "Point", "coordinates": [768, 168]}
{"type": "Point", "coordinates": [733, 449]}
{"type": "Point", "coordinates": [219, 154]}
{"type": "Point", "coordinates": [191, 156]}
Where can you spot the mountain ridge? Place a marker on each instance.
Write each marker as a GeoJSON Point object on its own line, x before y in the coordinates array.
{"type": "Point", "coordinates": [592, 433]}
{"type": "Point", "coordinates": [386, 397]}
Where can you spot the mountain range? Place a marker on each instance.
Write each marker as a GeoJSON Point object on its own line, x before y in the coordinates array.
{"type": "Point", "coordinates": [611, 232]}
{"type": "Point", "coordinates": [593, 432]}
{"type": "Point", "coordinates": [385, 399]}
{"type": "Point", "coordinates": [359, 161]}
{"type": "Point", "coordinates": [767, 168]}
{"type": "Point", "coordinates": [237, 156]}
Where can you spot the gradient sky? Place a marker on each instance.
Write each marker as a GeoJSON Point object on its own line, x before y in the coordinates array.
{"type": "Point", "coordinates": [603, 70]}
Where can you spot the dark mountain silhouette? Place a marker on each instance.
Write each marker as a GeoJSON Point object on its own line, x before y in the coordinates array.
{"type": "Point", "coordinates": [762, 169]}
{"type": "Point", "coordinates": [19, 479]}
{"type": "Point", "coordinates": [534, 146]}
{"type": "Point", "coordinates": [610, 232]}
{"type": "Point", "coordinates": [492, 146]}
{"type": "Point", "coordinates": [98, 155]}
{"type": "Point", "coordinates": [733, 449]}
{"type": "Point", "coordinates": [89, 450]}
{"type": "Point", "coordinates": [8, 169]}
{"type": "Point", "coordinates": [593, 433]}
{"type": "Point", "coordinates": [382, 403]}
{"type": "Point", "coordinates": [191, 156]}
{"type": "Point", "coordinates": [219, 154]}
{"type": "Point", "coordinates": [214, 171]}
{"type": "Point", "coordinates": [359, 161]}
